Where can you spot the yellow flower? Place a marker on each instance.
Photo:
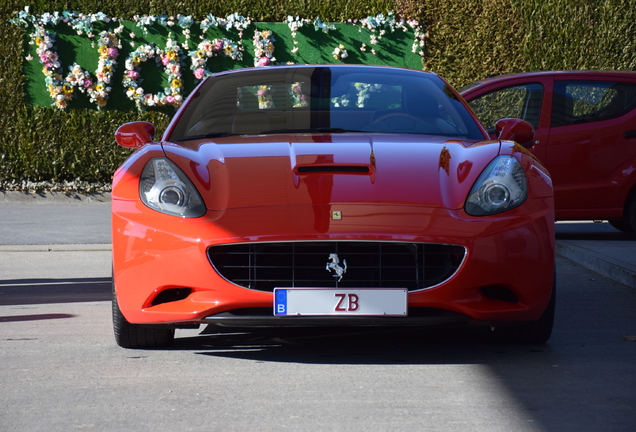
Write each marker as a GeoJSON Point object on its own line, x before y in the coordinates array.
{"type": "Point", "coordinates": [135, 61]}
{"type": "Point", "coordinates": [103, 50]}
{"type": "Point", "coordinates": [67, 88]}
{"type": "Point", "coordinates": [107, 69]}
{"type": "Point", "coordinates": [99, 88]}
{"type": "Point", "coordinates": [38, 41]}
{"type": "Point", "coordinates": [172, 55]}
{"type": "Point", "coordinates": [176, 83]}
{"type": "Point", "coordinates": [200, 54]}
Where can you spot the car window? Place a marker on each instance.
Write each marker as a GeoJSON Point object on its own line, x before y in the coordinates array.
{"type": "Point", "coordinates": [323, 99]}
{"type": "Point", "coordinates": [577, 102]}
{"type": "Point", "coordinates": [521, 101]}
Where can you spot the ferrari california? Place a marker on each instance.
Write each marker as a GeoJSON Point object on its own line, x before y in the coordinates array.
{"type": "Point", "coordinates": [321, 195]}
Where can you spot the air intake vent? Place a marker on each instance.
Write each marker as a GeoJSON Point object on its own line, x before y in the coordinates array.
{"type": "Point", "coordinates": [352, 169]}
{"type": "Point", "coordinates": [265, 266]}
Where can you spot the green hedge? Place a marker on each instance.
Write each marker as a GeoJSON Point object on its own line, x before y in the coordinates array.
{"type": "Point", "coordinates": [467, 40]}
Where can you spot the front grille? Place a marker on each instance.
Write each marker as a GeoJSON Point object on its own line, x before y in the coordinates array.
{"type": "Point", "coordinates": [265, 266]}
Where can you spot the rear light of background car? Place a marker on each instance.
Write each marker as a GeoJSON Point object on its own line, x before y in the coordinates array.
{"type": "Point", "coordinates": [165, 188]}
{"type": "Point", "coordinates": [501, 187]}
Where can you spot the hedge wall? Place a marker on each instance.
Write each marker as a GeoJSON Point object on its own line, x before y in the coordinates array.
{"type": "Point", "coordinates": [467, 40]}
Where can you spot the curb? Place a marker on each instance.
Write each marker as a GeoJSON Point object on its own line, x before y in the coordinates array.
{"type": "Point", "coordinates": [54, 197]}
{"type": "Point", "coordinates": [612, 268]}
{"type": "Point", "coordinates": [57, 248]}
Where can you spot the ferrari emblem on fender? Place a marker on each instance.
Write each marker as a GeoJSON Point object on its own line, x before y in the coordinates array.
{"type": "Point", "coordinates": [336, 215]}
{"type": "Point", "coordinates": [335, 266]}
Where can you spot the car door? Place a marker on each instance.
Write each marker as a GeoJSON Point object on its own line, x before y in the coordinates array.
{"type": "Point", "coordinates": [591, 146]}
{"type": "Point", "coordinates": [528, 98]}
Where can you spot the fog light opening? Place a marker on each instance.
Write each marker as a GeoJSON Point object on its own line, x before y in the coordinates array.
{"type": "Point", "coordinates": [171, 295]}
{"type": "Point", "coordinates": [497, 292]}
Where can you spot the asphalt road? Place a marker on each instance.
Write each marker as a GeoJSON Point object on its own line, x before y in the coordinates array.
{"type": "Point", "coordinates": [61, 369]}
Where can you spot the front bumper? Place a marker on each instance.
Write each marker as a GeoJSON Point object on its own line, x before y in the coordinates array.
{"type": "Point", "coordinates": [509, 253]}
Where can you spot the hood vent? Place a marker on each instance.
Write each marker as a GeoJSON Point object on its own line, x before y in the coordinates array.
{"type": "Point", "coordinates": [330, 169]}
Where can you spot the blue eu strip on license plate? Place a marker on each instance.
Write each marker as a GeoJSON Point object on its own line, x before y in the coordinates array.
{"type": "Point", "coordinates": [337, 302]}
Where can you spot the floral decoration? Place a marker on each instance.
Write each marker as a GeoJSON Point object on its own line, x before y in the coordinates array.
{"type": "Point", "coordinates": [170, 58]}
{"type": "Point", "coordinates": [294, 25]}
{"type": "Point", "coordinates": [364, 92]}
{"type": "Point", "coordinates": [323, 26]}
{"type": "Point", "coordinates": [263, 48]}
{"type": "Point", "coordinates": [299, 98]}
{"type": "Point", "coordinates": [97, 86]}
{"type": "Point", "coordinates": [265, 98]}
{"type": "Point", "coordinates": [340, 53]}
{"type": "Point", "coordinates": [212, 48]}
{"type": "Point", "coordinates": [62, 89]}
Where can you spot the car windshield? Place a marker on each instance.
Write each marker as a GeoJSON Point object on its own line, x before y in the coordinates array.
{"type": "Point", "coordinates": [324, 99]}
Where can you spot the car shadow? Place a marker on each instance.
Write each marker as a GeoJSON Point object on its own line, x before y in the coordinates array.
{"type": "Point", "coordinates": [44, 291]}
{"type": "Point", "coordinates": [379, 345]}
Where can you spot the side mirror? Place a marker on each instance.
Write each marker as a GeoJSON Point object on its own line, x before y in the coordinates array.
{"type": "Point", "coordinates": [515, 130]}
{"type": "Point", "coordinates": [135, 134]}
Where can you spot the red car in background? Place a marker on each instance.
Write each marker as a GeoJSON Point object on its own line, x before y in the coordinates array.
{"type": "Point", "coordinates": [585, 134]}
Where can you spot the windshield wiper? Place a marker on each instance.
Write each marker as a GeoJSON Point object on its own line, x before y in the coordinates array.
{"type": "Point", "coordinates": [207, 135]}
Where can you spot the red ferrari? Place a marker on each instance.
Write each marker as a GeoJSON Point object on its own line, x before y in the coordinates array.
{"type": "Point", "coordinates": [330, 196]}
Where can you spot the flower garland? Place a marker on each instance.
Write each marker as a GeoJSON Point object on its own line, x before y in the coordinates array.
{"type": "Point", "coordinates": [99, 91]}
{"type": "Point", "coordinates": [61, 89]}
{"type": "Point", "coordinates": [45, 49]}
{"type": "Point", "coordinates": [170, 59]}
{"type": "Point", "coordinates": [265, 97]}
{"type": "Point", "coordinates": [214, 48]}
{"type": "Point", "coordinates": [294, 25]}
{"type": "Point", "coordinates": [364, 92]}
{"type": "Point", "coordinates": [340, 53]}
{"type": "Point", "coordinates": [299, 98]}
{"type": "Point", "coordinates": [263, 48]}
{"type": "Point", "coordinates": [98, 86]}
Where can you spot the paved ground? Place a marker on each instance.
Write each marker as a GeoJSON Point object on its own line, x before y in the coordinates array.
{"type": "Point", "coordinates": [61, 369]}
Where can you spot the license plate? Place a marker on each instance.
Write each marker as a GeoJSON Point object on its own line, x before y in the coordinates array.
{"type": "Point", "coordinates": [330, 302]}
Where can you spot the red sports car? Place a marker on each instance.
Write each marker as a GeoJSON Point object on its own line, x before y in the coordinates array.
{"type": "Point", "coordinates": [585, 134]}
{"type": "Point", "coordinates": [330, 196]}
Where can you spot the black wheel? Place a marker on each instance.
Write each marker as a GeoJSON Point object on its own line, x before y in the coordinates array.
{"type": "Point", "coordinates": [532, 332]}
{"type": "Point", "coordinates": [628, 222]}
{"type": "Point", "coordinates": [129, 335]}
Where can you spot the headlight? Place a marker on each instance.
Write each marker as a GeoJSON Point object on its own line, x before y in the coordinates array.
{"type": "Point", "coordinates": [501, 187]}
{"type": "Point", "coordinates": [165, 188]}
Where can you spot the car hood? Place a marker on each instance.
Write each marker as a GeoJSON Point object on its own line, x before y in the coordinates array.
{"type": "Point", "coordinates": [323, 169]}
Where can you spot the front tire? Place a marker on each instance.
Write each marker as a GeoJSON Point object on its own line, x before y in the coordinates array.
{"type": "Point", "coordinates": [129, 335]}
{"type": "Point", "coordinates": [531, 332]}
{"type": "Point", "coordinates": [628, 222]}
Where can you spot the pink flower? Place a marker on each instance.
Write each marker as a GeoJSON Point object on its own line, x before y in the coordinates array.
{"type": "Point", "coordinates": [87, 83]}
{"type": "Point", "coordinates": [132, 74]}
{"type": "Point", "coordinates": [263, 61]}
{"type": "Point", "coordinates": [199, 73]}
{"type": "Point", "coordinates": [170, 99]}
{"type": "Point", "coordinates": [113, 52]}
{"type": "Point", "coordinates": [165, 60]}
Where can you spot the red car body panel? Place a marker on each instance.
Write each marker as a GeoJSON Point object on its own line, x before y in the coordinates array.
{"type": "Point", "coordinates": [592, 165]}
